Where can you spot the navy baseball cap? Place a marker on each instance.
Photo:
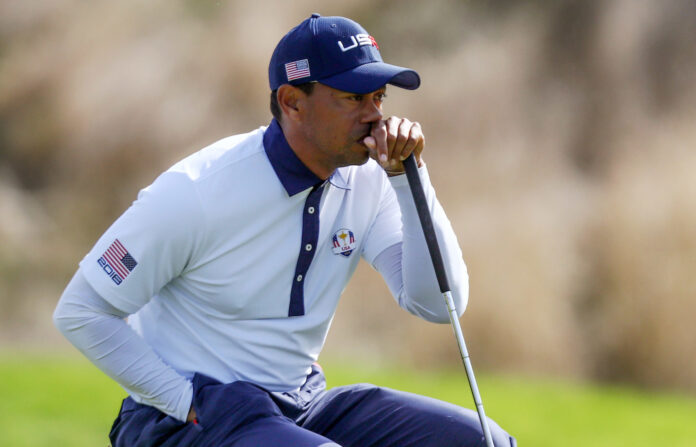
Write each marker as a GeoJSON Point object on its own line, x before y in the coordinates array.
{"type": "Point", "coordinates": [337, 52]}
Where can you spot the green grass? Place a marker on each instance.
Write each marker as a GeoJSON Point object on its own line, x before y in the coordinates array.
{"type": "Point", "coordinates": [553, 413]}
{"type": "Point", "coordinates": [54, 400]}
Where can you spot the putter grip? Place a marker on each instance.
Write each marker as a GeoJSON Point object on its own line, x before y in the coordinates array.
{"type": "Point", "coordinates": [426, 222]}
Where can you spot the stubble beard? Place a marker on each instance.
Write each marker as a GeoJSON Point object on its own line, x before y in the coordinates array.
{"type": "Point", "coordinates": [353, 157]}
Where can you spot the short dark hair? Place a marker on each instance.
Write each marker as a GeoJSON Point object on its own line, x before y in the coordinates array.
{"type": "Point", "coordinates": [307, 88]}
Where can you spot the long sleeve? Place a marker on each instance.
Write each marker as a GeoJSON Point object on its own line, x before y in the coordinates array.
{"type": "Point", "coordinates": [407, 267]}
{"type": "Point", "coordinates": [100, 332]}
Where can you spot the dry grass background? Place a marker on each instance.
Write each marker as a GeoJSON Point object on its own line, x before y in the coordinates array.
{"type": "Point", "coordinates": [560, 140]}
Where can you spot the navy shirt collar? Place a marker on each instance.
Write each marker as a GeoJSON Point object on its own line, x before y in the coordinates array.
{"type": "Point", "coordinates": [292, 173]}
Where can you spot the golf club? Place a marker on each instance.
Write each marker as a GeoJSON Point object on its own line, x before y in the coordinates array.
{"type": "Point", "coordinates": [434, 248]}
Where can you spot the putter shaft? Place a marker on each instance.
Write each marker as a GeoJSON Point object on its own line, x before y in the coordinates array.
{"type": "Point", "coordinates": [436, 257]}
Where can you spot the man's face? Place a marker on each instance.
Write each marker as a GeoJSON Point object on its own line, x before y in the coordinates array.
{"type": "Point", "coordinates": [335, 122]}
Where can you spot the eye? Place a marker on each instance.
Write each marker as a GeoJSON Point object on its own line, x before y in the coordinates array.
{"type": "Point", "coordinates": [357, 98]}
{"type": "Point", "coordinates": [380, 97]}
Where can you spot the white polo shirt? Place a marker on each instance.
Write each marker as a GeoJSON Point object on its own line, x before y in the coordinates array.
{"type": "Point", "coordinates": [233, 260]}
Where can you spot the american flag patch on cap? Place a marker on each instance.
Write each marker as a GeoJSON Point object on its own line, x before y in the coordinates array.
{"type": "Point", "coordinates": [297, 69]}
{"type": "Point", "coordinates": [117, 262]}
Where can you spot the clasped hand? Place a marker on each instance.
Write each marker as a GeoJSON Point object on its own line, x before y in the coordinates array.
{"type": "Point", "coordinates": [392, 140]}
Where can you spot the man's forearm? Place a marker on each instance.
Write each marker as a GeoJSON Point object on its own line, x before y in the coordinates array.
{"type": "Point", "coordinates": [99, 331]}
{"type": "Point", "coordinates": [421, 294]}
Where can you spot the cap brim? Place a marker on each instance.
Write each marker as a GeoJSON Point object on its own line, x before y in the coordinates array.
{"type": "Point", "coordinates": [372, 76]}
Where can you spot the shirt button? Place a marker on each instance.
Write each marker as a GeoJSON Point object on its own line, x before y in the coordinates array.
{"type": "Point", "coordinates": [310, 210]}
{"type": "Point", "coordinates": [299, 278]}
{"type": "Point", "coordinates": [308, 247]}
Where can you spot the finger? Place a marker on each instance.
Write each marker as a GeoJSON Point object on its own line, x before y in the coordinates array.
{"type": "Point", "coordinates": [414, 142]}
{"type": "Point", "coordinates": [371, 144]}
{"type": "Point", "coordinates": [403, 140]}
{"type": "Point", "coordinates": [393, 124]}
{"type": "Point", "coordinates": [420, 146]}
{"type": "Point", "coordinates": [379, 133]}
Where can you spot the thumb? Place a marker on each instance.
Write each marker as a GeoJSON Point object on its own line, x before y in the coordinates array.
{"type": "Point", "coordinates": [370, 142]}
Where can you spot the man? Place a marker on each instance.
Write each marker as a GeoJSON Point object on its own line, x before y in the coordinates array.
{"type": "Point", "coordinates": [230, 265]}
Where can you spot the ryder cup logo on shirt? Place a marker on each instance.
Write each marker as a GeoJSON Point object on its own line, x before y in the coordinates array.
{"type": "Point", "coordinates": [117, 262]}
{"type": "Point", "coordinates": [343, 242]}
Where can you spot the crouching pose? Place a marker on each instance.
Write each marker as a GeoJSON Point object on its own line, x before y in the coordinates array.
{"type": "Point", "coordinates": [230, 265]}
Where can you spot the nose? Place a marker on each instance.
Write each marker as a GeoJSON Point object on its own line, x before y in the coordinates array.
{"type": "Point", "coordinates": [372, 111]}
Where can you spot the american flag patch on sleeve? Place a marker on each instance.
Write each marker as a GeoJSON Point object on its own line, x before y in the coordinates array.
{"type": "Point", "coordinates": [117, 262]}
{"type": "Point", "coordinates": [297, 69]}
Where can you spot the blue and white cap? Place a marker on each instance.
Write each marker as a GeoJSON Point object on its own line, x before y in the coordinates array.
{"type": "Point", "coordinates": [337, 52]}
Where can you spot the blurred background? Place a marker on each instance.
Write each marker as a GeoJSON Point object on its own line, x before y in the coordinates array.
{"type": "Point", "coordinates": [560, 139]}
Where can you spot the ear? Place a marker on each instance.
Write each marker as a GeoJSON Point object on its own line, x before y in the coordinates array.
{"type": "Point", "coordinates": [290, 101]}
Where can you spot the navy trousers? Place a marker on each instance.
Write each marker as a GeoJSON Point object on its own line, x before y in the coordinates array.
{"type": "Point", "coordinates": [241, 414]}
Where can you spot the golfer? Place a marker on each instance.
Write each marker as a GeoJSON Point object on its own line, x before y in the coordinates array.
{"type": "Point", "coordinates": [230, 265]}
